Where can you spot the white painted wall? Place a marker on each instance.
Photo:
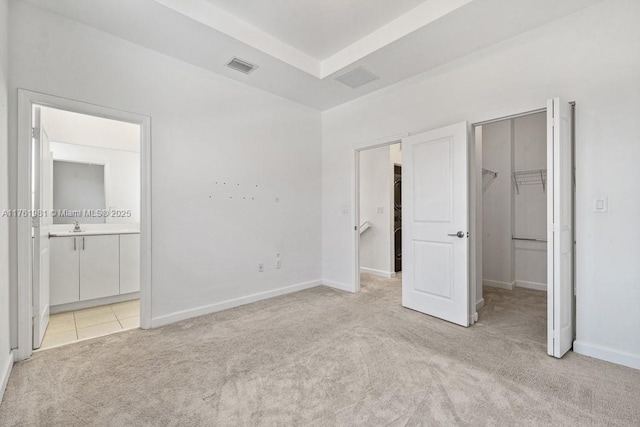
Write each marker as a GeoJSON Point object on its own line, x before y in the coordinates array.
{"type": "Point", "coordinates": [530, 206]}
{"type": "Point", "coordinates": [376, 183]}
{"type": "Point", "coordinates": [122, 175]}
{"type": "Point", "coordinates": [208, 237]}
{"type": "Point", "coordinates": [497, 253]}
{"type": "Point", "coordinates": [81, 129]}
{"type": "Point", "coordinates": [590, 57]}
{"type": "Point", "coordinates": [5, 348]}
{"type": "Point", "coordinates": [396, 154]}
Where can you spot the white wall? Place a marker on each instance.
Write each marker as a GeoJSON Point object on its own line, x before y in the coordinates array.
{"type": "Point", "coordinates": [122, 175]}
{"type": "Point", "coordinates": [591, 57]}
{"type": "Point", "coordinates": [497, 253]}
{"type": "Point", "coordinates": [376, 182]}
{"type": "Point", "coordinates": [5, 355]}
{"type": "Point", "coordinates": [396, 154]}
{"type": "Point", "coordinates": [530, 206]}
{"type": "Point", "coordinates": [208, 237]}
{"type": "Point", "coordinates": [81, 129]}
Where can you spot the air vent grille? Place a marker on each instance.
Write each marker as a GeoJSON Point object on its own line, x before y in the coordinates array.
{"type": "Point", "coordinates": [241, 65]}
{"type": "Point", "coordinates": [357, 77]}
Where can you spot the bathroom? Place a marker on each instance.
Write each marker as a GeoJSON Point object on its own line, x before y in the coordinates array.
{"type": "Point", "coordinates": [86, 246]}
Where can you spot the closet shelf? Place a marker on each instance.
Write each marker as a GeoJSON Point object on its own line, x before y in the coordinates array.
{"type": "Point", "coordinates": [488, 176]}
{"type": "Point", "coordinates": [532, 177]}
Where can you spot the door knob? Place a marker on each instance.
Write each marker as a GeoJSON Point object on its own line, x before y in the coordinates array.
{"type": "Point", "coordinates": [459, 234]}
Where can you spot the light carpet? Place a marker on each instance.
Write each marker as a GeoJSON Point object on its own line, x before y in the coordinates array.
{"type": "Point", "coordinates": [324, 357]}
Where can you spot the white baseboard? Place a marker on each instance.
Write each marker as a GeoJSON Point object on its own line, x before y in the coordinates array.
{"type": "Point", "coordinates": [5, 373]}
{"type": "Point", "coordinates": [338, 286]}
{"type": "Point", "coordinates": [608, 354]}
{"type": "Point", "coordinates": [480, 304]}
{"type": "Point", "coordinates": [497, 284]}
{"type": "Point", "coordinates": [379, 273]}
{"type": "Point", "coordinates": [224, 305]}
{"type": "Point", "coordinates": [531, 285]}
{"type": "Point", "coordinates": [80, 305]}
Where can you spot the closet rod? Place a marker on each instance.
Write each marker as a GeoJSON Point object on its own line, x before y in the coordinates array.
{"type": "Point", "coordinates": [528, 239]}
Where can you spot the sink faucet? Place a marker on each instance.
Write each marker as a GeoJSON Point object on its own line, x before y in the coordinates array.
{"type": "Point", "coordinates": [76, 227]}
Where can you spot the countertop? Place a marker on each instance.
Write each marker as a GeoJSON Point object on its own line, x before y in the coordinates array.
{"type": "Point", "coordinates": [92, 233]}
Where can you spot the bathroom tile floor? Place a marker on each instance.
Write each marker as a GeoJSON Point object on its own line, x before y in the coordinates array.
{"type": "Point", "coordinates": [65, 328]}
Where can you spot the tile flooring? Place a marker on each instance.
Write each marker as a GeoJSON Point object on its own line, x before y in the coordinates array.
{"type": "Point", "coordinates": [65, 328]}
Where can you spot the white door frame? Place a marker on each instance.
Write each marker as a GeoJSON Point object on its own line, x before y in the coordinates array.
{"type": "Point", "coordinates": [26, 100]}
{"type": "Point", "coordinates": [475, 206]}
{"type": "Point", "coordinates": [355, 196]}
{"type": "Point", "coordinates": [477, 200]}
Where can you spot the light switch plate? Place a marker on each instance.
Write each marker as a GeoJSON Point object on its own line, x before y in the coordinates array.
{"type": "Point", "coordinates": [600, 204]}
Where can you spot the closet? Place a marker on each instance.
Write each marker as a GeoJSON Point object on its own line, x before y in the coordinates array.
{"type": "Point", "coordinates": [514, 215]}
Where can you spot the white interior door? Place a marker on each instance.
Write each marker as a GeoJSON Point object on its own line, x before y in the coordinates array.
{"type": "Point", "coordinates": [42, 203]}
{"type": "Point", "coordinates": [560, 305]}
{"type": "Point", "coordinates": [435, 219]}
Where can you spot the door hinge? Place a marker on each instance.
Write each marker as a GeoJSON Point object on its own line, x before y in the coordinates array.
{"type": "Point", "coordinates": [35, 132]}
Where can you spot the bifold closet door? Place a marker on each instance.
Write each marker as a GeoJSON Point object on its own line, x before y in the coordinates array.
{"type": "Point", "coordinates": [560, 307]}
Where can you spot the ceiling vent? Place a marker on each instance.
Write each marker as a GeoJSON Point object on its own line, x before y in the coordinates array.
{"type": "Point", "coordinates": [241, 65]}
{"type": "Point", "coordinates": [357, 77]}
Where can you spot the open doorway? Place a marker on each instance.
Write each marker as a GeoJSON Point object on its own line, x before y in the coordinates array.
{"type": "Point", "coordinates": [514, 226]}
{"type": "Point", "coordinates": [380, 212]}
{"type": "Point", "coordinates": [525, 244]}
{"type": "Point", "coordinates": [86, 251]}
{"type": "Point", "coordinates": [84, 260]}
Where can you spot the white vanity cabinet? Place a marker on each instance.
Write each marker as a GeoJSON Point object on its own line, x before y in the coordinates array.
{"type": "Point", "coordinates": [89, 267]}
{"type": "Point", "coordinates": [99, 266]}
{"type": "Point", "coordinates": [129, 263]}
{"type": "Point", "coordinates": [64, 270]}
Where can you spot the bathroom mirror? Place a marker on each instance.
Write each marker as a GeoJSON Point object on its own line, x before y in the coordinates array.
{"type": "Point", "coordinates": [78, 187]}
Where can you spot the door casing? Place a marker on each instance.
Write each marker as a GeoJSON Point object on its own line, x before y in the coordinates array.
{"type": "Point", "coordinates": [26, 100]}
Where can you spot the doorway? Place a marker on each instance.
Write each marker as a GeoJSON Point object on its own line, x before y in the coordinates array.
{"type": "Point", "coordinates": [379, 211]}
{"type": "Point", "coordinates": [513, 256]}
{"type": "Point", "coordinates": [84, 252]}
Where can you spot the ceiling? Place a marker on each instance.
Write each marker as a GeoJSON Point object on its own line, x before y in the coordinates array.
{"type": "Point", "coordinates": [317, 28]}
{"type": "Point", "coordinates": [289, 39]}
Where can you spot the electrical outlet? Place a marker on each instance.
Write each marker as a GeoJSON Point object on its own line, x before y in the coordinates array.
{"type": "Point", "coordinates": [278, 261]}
{"type": "Point", "coordinates": [260, 267]}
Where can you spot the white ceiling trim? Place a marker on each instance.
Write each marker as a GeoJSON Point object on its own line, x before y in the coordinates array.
{"type": "Point", "coordinates": [214, 17]}
{"type": "Point", "coordinates": [220, 20]}
{"type": "Point", "coordinates": [411, 21]}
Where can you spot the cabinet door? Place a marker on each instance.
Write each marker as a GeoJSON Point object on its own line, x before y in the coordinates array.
{"type": "Point", "coordinates": [64, 270]}
{"type": "Point", "coordinates": [129, 263]}
{"type": "Point", "coordinates": [99, 266]}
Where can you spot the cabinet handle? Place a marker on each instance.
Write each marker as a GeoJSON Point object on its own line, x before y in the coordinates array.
{"type": "Point", "coordinates": [74, 244]}
{"type": "Point", "coordinates": [83, 243]}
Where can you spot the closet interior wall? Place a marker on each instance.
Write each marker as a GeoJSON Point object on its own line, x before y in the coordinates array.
{"type": "Point", "coordinates": [514, 203]}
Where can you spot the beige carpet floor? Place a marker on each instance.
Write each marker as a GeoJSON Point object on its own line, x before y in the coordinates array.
{"type": "Point", "coordinates": [323, 357]}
